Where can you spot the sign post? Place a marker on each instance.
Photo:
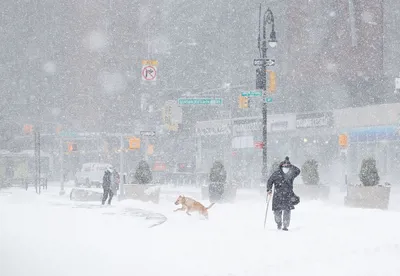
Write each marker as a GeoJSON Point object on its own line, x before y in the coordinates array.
{"type": "Point", "coordinates": [344, 143]}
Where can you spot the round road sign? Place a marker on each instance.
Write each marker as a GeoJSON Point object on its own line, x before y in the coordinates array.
{"type": "Point", "coordinates": [149, 73]}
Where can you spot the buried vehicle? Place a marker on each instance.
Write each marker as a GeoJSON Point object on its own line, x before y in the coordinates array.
{"type": "Point", "coordinates": [91, 174]}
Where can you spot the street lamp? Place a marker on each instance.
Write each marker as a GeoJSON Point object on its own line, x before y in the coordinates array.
{"type": "Point", "coordinates": [263, 62]}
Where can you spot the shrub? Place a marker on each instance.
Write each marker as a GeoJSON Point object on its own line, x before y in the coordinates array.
{"type": "Point", "coordinates": [217, 172]}
{"type": "Point", "coordinates": [309, 172]}
{"type": "Point", "coordinates": [143, 174]}
{"type": "Point", "coordinates": [369, 173]}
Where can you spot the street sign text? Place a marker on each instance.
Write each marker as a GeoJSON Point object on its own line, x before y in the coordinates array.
{"type": "Point", "coordinates": [200, 101]}
{"type": "Point", "coordinates": [264, 61]}
{"type": "Point", "coordinates": [252, 94]}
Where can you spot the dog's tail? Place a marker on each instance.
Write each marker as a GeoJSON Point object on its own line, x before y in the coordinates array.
{"type": "Point", "coordinates": [211, 205]}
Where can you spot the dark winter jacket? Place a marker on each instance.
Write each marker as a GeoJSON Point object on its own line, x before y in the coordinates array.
{"type": "Point", "coordinates": [283, 195]}
{"type": "Point", "coordinates": [107, 179]}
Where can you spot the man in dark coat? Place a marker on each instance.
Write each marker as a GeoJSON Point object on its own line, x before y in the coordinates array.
{"type": "Point", "coordinates": [284, 198]}
{"type": "Point", "coordinates": [107, 189]}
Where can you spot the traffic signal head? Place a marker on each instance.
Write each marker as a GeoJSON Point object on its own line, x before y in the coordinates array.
{"type": "Point", "coordinates": [134, 143]}
{"type": "Point", "coordinates": [272, 81]}
{"type": "Point", "coordinates": [28, 129]}
{"type": "Point", "coordinates": [261, 79]}
{"type": "Point", "coordinates": [343, 140]}
{"type": "Point", "coordinates": [72, 147]}
{"type": "Point", "coordinates": [243, 102]}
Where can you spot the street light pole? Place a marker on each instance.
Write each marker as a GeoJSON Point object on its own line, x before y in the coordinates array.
{"type": "Point", "coordinates": [261, 81]}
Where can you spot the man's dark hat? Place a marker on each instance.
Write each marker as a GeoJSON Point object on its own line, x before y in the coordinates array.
{"type": "Point", "coordinates": [285, 162]}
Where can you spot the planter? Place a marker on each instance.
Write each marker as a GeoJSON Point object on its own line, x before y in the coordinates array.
{"type": "Point", "coordinates": [229, 194]}
{"type": "Point", "coordinates": [142, 192]}
{"type": "Point", "coordinates": [312, 192]}
{"type": "Point", "coordinates": [82, 194]}
{"type": "Point", "coordinates": [375, 197]}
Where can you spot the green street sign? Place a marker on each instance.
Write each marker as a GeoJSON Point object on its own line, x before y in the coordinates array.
{"type": "Point", "coordinates": [69, 134]}
{"type": "Point", "coordinates": [268, 100]}
{"type": "Point", "coordinates": [252, 94]}
{"type": "Point", "coordinates": [200, 101]}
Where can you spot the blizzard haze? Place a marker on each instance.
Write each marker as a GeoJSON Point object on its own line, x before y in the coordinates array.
{"type": "Point", "coordinates": [93, 89]}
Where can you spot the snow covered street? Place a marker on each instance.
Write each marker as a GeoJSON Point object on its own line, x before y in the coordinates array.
{"type": "Point", "coordinates": [49, 235]}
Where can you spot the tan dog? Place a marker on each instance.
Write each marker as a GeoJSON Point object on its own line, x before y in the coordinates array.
{"type": "Point", "coordinates": [191, 205]}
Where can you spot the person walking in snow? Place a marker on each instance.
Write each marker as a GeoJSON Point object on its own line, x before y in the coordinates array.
{"type": "Point", "coordinates": [107, 186]}
{"type": "Point", "coordinates": [284, 199]}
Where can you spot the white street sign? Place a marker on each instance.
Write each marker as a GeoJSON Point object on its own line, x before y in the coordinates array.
{"type": "Point", "coordinates": [149, 70]}
{"type": "Point", "coordinates": [147, 133]}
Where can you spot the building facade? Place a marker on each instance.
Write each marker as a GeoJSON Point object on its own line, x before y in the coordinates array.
{"type": "Point", "coordinates": [372, 131]}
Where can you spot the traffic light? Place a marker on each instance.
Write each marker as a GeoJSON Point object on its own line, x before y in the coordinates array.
{"type": "Point", "coordinates": [243, 102]}
{"type": "Point", "coordinates": [28, 129]}
{"type": "Point", "coordinates": [72, 147]}
{"type": "Point", "coordinates": [260, 79]}
{"type": "Point", "coordinates": [134, 143]}
{"type": "Point", "coordinates": [272, 81]}
{"type": "Point", "coordinates": [343, 140]}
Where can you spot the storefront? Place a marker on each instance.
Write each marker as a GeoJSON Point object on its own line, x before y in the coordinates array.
{"type": "Point", "coordinates": [213, 142]}
{"type": "Point", "coordinates": [373, 131]}
{"type": "Point", "coordinates": [247, 144]}
{"type": "Point", "coordinates": [315, 138]}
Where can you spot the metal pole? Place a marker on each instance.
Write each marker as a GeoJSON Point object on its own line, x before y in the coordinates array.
{"type": "Point", "coordinates": [62, 191]}
{"type": "Point", "coordinates": [121, 168]}
{"type": "Point", "coordinates": [36, 171]}
{"type": "Point", "coordinates": [39, 174]}
{"type": "Point", "coordinates": [264, 154]}
{"type": "Point", "coordinates": [264, 107]}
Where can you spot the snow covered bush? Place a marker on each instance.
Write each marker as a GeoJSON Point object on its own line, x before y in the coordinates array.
{"type": "Point", "coordinates": [143, 174]}
{"type": "Point", "coordinates": [369, 173]}
{"type": "Point", "coordinates": [309, 172]}
{"type": "Point", "coordinates": [218, 173]}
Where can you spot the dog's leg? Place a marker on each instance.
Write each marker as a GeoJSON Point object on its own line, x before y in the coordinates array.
{"type": "Point", "coordinates": [180, 209]}
{"type": "Point", "coordinates": [187, 212]}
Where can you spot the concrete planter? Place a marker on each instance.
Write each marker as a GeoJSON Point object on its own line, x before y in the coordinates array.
{"type": "Point", "coordinates": [142, 192]}
{"type": "Point", "coordinates": [312, 192]}
{"type": "Point", "coordinates": [375, 197]}
{"type": "Point", "coordinates": [82, 194]}
{"type": "Point", "coordinates": [229, 194]}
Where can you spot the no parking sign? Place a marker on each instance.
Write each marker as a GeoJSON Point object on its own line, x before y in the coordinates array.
{"type": "Point", "coordinates": [149, 70]}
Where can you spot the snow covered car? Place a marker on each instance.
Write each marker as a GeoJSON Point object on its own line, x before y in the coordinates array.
{"type": "Point", "coordinates": [91, 174]}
